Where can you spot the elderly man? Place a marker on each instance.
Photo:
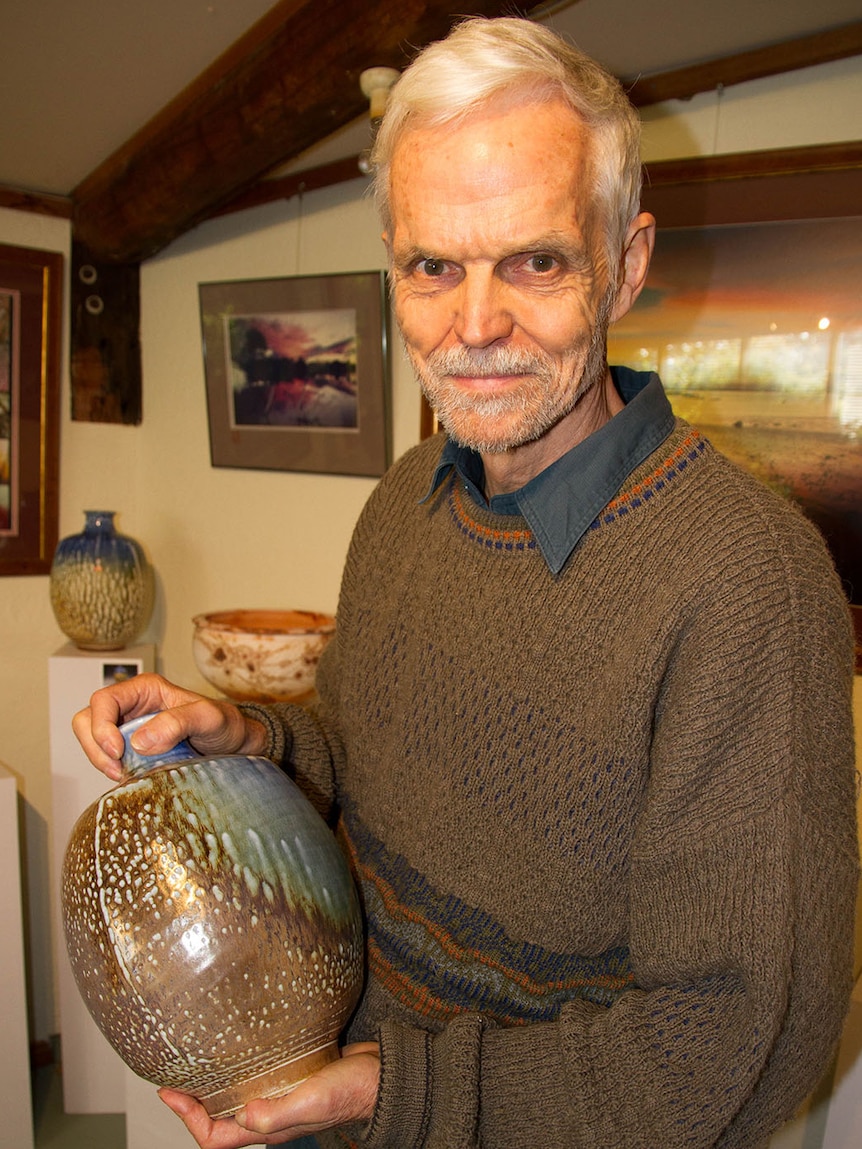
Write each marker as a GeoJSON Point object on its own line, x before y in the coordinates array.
{"type": "Point", "coordinates": [589, 740]}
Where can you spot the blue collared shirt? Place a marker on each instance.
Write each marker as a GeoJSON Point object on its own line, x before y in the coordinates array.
{"type": "Point", "coordinates": [560, 502]}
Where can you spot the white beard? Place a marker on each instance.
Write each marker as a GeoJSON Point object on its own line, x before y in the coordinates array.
{"type": "Point", "coordinates": [526, 411]}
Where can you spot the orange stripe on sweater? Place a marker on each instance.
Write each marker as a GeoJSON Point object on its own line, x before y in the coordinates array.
{"type": "Point", "coordinates": [399, 986]}
{"type": "Point", "coordinates": [688, 443]}
{"type": "Point", "coordinates": [459, 952]}
{"type": "Point", "coordinates": [488, 532]}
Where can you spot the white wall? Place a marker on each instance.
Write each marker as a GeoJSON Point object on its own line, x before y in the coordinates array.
{"type": "Point", "coordinates": [820, 105]}
{"type": "Point", "coordinates": [28, 634]}
{"type": "Point", "coordinates": [223, 538]}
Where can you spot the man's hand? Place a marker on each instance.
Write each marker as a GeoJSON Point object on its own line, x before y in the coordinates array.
{"type": "Point", "coordinates": [211, 726]}
{"type": "Point", "coordinates": [341, 1092]}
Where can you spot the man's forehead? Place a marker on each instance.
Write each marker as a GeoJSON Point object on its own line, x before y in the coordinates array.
{"type": "Point", "coordinates": [535, 109]}
{"type": "Point", "coordinates": [503, 170]}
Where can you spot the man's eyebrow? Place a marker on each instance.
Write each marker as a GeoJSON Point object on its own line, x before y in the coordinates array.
{"type": "Point", "coordinates": [575, 252]}
{"type": "Point", "coordinates": [401, 258]}
{"type": "Point", "coordinates": [408, 254]}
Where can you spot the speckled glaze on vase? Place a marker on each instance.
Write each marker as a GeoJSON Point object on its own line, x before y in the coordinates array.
{"type": "Point", "coordinates": [212, 926]}
{"type": "Point", "coordinates": [102, 586]}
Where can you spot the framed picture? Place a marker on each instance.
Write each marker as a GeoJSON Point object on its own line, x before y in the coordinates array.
{"type": "Point", "coordinates": [752, 315]}
{"type": "Point", "coordinates": [30, 322]}
{"type": "Point", "coordinates": [297, 373]}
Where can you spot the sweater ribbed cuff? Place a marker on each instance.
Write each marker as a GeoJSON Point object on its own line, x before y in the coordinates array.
{"type": "Point", "coordinates": [279, 741]}
{"type": "Point", "coordinates": [400, 1118]}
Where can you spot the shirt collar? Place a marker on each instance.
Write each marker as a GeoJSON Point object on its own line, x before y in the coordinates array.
{"type": "Point", "coordinates": [560, 503]}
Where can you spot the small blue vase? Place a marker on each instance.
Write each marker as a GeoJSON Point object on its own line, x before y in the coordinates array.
{"type": "Point", "coordinates": [102, 586]}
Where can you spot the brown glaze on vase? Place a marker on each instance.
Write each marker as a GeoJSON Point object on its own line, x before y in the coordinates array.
{"type": "Point", "coordinates": [212, 926]}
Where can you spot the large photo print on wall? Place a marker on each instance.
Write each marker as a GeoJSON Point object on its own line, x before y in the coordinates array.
{"type": "Point", "coordinates": [752, 315]}
{"type": "Point", "coordinates": [297, 373]}
{"type": "Point", "coordinates": [756, 332]}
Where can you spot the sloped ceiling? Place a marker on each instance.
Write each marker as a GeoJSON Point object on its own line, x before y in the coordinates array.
{"type": "Point", "coordinates": [292, 80]}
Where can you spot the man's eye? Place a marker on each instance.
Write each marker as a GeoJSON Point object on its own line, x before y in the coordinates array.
{"type": "Point", "coordinates": [431, 267]}
{"type": "Point", "coordinates": [541, 261]}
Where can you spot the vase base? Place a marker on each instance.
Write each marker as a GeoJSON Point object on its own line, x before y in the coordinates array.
{"type": "Point", "coordinates": [104, 647]}
{"type": "Point", "coordinates": [273, 1083]}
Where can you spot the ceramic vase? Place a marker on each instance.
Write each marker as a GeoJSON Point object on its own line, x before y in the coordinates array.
{"type": "Point", "coordinates": [261, 655]}
{"type": "Point", "coordinates": [102, 586]}
{"type": "Point", "coordinates": [212, 925]}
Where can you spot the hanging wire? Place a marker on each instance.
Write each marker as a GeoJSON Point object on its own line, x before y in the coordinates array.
{"type": "Point", "coordinates": [719, 91]}
{"type": "Point", "coordinates": [299, 222]}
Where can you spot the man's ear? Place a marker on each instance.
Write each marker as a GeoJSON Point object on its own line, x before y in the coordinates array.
{"type": "Point", "coordinates": [640, 241]}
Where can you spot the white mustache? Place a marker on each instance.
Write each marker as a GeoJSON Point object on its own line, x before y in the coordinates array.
{"type": "Point", "coordinates": [482, 362]}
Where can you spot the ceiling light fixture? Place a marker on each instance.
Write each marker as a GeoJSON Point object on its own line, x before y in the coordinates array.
{"type": "Point", "coordinates": [376, 83]}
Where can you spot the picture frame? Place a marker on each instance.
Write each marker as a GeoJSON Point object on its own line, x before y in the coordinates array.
{"type": "Point", "coordinates": [31, 288]}
{"type": "Point", "coordinates": [297, 373]}
{"type": "Point", "coordinates": [770, 209]}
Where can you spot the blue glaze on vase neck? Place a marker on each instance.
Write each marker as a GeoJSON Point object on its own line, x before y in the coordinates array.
{"type": "Point", "coordinates": [98, 522]}
{"type": "Point", "coordinates": [136, 764]}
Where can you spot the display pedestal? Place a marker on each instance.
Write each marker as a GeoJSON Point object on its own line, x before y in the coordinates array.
{"type": "Point", "coordinates": [845, 1110]}
{"type": "Point", "coordinates": [149, 1122]}
{"type": "Point", "coordinates": [14, 1043]}
{"type": "Point", "coordinates": [93, 1074]}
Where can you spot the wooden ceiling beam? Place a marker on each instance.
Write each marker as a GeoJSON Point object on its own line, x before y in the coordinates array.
{"type": "Point", "coordinates": [58, 206]}
{"type": "Point", "coordinates": [291, 81]}
{"type": "Point", "coordinates": [802, 52]}
{"type": "Point", "coordinates": [297, 183]}
{"type": "Point", "coordinates": [678, 84]}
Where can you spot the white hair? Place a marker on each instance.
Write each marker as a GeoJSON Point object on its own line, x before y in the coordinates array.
{"type": "Point", "coordinates": [483, 60]}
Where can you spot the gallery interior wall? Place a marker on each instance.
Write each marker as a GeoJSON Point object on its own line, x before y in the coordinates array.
{"type": "Point", "coordinates": [222, 538]}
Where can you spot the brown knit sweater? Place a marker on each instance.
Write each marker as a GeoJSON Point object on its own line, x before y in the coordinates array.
{"type": "Point", "coordinates": [603, 822]}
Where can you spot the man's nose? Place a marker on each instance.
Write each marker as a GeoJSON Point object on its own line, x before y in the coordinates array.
{"type": "Point", "coordinates": [482, 313]}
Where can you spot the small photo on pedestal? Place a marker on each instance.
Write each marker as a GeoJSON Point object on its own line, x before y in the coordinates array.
{"type": "Point", "coordinates": [114, 672]}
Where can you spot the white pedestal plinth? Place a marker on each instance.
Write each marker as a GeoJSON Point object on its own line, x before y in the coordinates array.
{"type": "Point", "coordinates": [93, 1074]}
{"type": "Point", "coordinates": [14, 1042]}
{"type": "Point", "coordinates": [149, 1122]}
{"type": "Point", "coordinates": [844, 1124]}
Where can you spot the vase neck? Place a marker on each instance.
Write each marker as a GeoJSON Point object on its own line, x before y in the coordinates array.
{"type": "Point", "coordinates": [98, 521]}
{"type": "Point", "coordinates": [136, 764]}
